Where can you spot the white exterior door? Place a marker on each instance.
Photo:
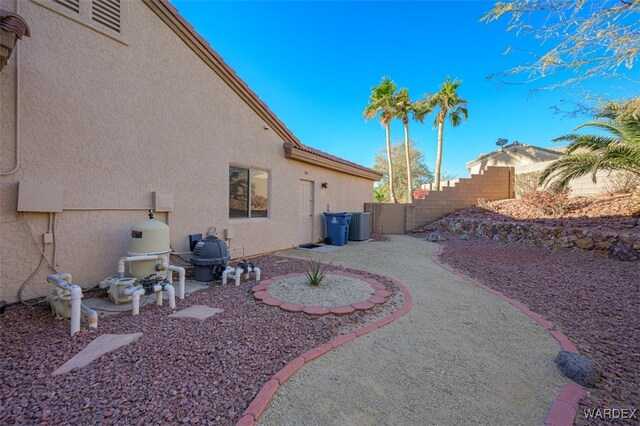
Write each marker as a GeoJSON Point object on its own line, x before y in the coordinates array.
{"type": "Point", "coordinates": [305, 212]}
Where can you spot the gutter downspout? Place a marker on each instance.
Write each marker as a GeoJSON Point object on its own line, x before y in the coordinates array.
{"type": "Point", "coordinates": [17, 102]}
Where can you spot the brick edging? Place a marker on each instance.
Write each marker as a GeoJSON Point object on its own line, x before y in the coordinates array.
{"type": "Point", "coordinates": [269, 389]}
{"type": "Point", "coordinates": [380, 295]}
{"type": "Point", "coordinates": [564, 408]}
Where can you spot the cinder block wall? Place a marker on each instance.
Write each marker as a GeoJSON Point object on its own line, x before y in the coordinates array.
{"type": "Point", "coordinates": [494, 183]}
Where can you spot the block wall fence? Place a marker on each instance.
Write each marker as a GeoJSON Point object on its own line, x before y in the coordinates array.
{"type": "Point", "coordinates": [494, 183]}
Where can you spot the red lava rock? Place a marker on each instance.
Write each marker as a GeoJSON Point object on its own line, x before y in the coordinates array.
{"type": "Point", "coordinates": [198, 371]}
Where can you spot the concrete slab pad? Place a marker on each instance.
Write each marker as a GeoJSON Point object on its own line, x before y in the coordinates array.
{"type": "Point", "coordinates": [322, 249]}
{"type": "Point", "coordinates": [94, 350]}
{"type": "Point", "coordinates": [105, 307]}
{"type": "Point", "coordinates": [200, 312]}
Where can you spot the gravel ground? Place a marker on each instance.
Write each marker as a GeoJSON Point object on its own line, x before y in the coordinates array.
{"type": "Point", "coordinates": [180, 371]}
{"type": "Point", "coordinates": [593, 300]}
{"type": "Point", "coordinates": [460, 356]}
{"type": "Point", "coordinates": [335, 290]}
{"type": "Point", "coordinates": [606, 212]}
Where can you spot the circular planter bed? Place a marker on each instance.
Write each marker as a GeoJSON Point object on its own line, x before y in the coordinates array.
{"type": "Point", "coordinates": [341, 293]}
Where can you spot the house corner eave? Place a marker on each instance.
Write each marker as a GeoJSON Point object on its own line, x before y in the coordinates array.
{"type": "Point", "coordinates": [310, 156]}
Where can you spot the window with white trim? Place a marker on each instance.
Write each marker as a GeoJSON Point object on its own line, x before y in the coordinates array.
{"type": "Point", "coordinates": [248, 192]}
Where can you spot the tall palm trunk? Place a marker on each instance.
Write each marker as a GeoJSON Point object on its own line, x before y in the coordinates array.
{"type": "Point", "coordinates": [439, 153]}
{"type": "Point", "coordinates": [408, 158]}
{"type": "Point", "coordinates": [391, 192]}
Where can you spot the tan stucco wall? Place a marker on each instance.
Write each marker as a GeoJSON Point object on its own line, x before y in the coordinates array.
{"type": "Point", "coordinates": [112, 123]}
{"type": "Point", "coordinates": [527, 160]}
{"type": "Point", "coordinates": [512, 157]}
{"type": "Point", "coordinates": [582, 186]}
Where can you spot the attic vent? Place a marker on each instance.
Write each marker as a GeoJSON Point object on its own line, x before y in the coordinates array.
{"type": "Point", "coordinates": [106, 12]}
{"type": "Point", "coordinates": [73, 5]}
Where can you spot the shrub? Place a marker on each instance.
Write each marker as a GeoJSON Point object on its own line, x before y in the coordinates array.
{"type": "Point", "coordinates": [317, 270]}
{"type": "Point", "coordinates": [482, 203]}
{"type": "Point", "coordinates": [525, 184]}
{"type": "Point", "coordinates": [621, 183]}
{"type": "Point", "coordinates": [420, 194]}
{"type": "Point", "coordinates": [552, 202]}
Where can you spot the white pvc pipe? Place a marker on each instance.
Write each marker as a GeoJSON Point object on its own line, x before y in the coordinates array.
{"type": "Point", "coordinates": [181, 273]}
{"type": "Point", "coordinates": [256, 270]}
{"type": "Point", "coordinates": [157, 289]}
{"type": "Point", "coordinates": [93, 316]}
{"type": "Point", "coordinates": [238, 276]}
{"type": "Point", "coordinates": [63, 280]}
{"type": "Point", "coordinates": [171, 292]}
{"type": "Point", "coordinates": [228, 272]}
{"type": "Point", "coordinates": [135, 301]}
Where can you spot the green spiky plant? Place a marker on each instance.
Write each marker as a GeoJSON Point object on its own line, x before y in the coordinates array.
{"type": "Point", "coordinates": [618, 150]}
{"type": "Point", "coordinates": [317, 269]}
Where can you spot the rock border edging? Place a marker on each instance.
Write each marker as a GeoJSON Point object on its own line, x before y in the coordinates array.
{"type": "Point", "coordinates": [564, 408]}
{"type": "Point", "coordinates": [553, 237]}
{"type": "Point", "coordinates": [380, 295]}
{"type": "Point", "coordinates": [269, 389]}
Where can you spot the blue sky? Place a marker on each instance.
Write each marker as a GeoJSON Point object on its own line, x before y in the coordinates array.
{"type": "Point", "coordinates": [314, 63]}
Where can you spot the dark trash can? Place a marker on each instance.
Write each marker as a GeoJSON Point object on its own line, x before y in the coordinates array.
{"type": "Point", "coordinates": [337, 225]}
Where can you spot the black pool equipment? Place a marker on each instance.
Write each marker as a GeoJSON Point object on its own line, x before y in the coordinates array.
{"type": "Point", "coordinates": [210, 257]}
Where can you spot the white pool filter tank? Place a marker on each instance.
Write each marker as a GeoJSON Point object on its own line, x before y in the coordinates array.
{"type": "Point", "coordinates": [148, 238]}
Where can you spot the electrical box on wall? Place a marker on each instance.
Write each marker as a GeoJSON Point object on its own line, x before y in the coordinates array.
{"type": "Point", "coordinates": [162, 201]}
{"type": "Point", "coordinates": [40, 197]}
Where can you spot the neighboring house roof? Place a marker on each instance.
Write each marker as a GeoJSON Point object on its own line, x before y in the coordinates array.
{"type": "Point", "coordinates": [314, 156]}
{"type": "Point", "coordinates": [201, 47]}
{"type": "Point", "coordinates": [563, 150]}
{"type": "Point", "coordinates": [514, 147]}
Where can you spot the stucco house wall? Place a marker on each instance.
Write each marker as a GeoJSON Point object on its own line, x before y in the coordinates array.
{"type": "Point", "coordinates": [113, 119]}
{"type": "Point", "coordinates": [530, 159]}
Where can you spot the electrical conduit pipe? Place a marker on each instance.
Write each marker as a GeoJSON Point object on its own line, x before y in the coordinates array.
{"type": "Point", "coordinates": [63, 280]}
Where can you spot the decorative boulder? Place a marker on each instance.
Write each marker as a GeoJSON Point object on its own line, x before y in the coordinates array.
{"type": "Point", "coordinates": [464, 237]}
{"type": "Point", "coordinates": [623, 251]}
{"type": "Point", "coordinates": [434, 237]}
{"type": "Point", "coordinates": [578, 368]}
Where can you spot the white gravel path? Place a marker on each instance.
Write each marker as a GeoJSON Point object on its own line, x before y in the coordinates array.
{"type": "Point", "coordinates": [461, 356]}
{"type": "Point", "coordinates": [335, 290]}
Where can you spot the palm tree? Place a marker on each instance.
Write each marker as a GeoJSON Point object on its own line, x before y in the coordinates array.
{"type": "Point", "coordinates": [403, 108]}
{"type": "Point", "coordinates": [451, 105]}
{"type": "Point", "coordinates": [619, 149]}
{"type": "Point", "coordinates": [382, 101]}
